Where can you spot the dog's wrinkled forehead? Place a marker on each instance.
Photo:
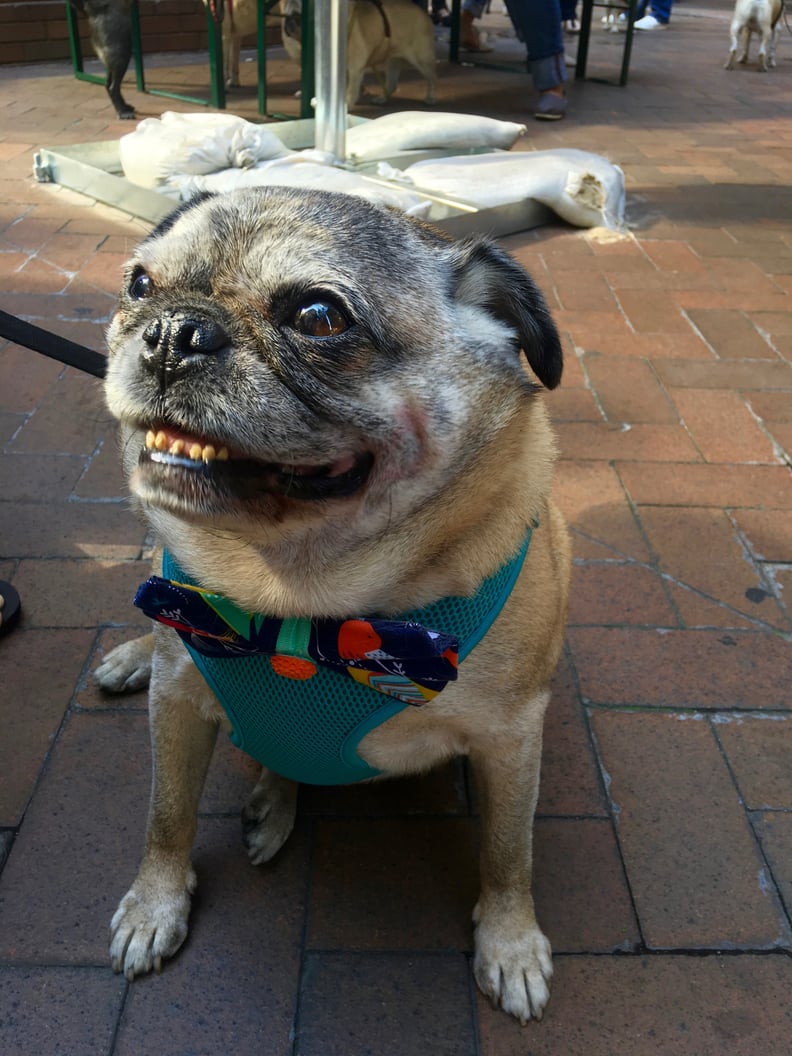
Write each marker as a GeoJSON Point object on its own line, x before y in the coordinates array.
{"type": "Point", "coordinates": [261, 237]}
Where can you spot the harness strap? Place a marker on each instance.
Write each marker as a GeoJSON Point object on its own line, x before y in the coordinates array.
{"type": "Point", "coordinates": [380, 7]}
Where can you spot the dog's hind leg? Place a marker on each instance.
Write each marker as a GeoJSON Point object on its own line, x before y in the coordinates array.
{"type": "Point", "coordinates": [231, 46]}
{"type": "Point", "coordinates": [354, 84]}
{"type": "Point", "coordinates": [735, 39]}
{"type": "Point", "coordinates": [268, 816]}
{"type": "Point", "coordinates": [747, 38]}
{"type": "Point", "coordinates": [393, 68]}
{"type": "Point", "coordinates": [766, 48]}
{"type": "Point", "coordinates": [771, 51]}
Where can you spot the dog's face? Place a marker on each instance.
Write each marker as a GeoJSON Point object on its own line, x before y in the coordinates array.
{"type": "Point", "coordinates": [283, 358]}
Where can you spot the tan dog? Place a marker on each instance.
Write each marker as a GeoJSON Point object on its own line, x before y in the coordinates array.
{"type": "Point", "coordinates": [325, 413]}
{"type": "Point", "coordinates": [383, 36]}
{"type": "Point", "coordinates": [760, 17]}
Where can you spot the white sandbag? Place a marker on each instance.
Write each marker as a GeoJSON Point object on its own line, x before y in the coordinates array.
{"type": "Point", "coordinates": [295, 171]}
{"type": "Point", "coordinates": [582, 188]}
{"type": "Point", "coordinates": [422, 130]}
{"type": "Point", "coordinates": [195, 144]}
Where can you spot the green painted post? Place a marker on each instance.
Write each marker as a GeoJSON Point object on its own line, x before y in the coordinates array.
{"type": "Point", "coordinates": [307, 72]}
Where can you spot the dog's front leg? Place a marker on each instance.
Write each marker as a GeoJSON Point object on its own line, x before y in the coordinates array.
{"type": "Point", "coordinates": [151, 921]}
{"type": "Point", "coordinates": [512, 961]}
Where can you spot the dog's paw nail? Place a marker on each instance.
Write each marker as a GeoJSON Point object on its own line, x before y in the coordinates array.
{"type": "Point", "coordinates": [158, 964]}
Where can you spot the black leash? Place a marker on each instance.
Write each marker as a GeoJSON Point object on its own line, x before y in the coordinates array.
{"type": "Point", "coordinates": [48, 344]}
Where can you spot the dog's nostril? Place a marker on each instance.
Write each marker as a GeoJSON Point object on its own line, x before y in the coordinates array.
{"type": "Point", "coordinates": [153, 333]}
{"type": "Point", "coordinates": [177, 342]}
{"type": "Point", "coordinates": [189, 337]}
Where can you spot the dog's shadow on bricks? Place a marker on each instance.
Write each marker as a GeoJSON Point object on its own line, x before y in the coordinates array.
{"type": "Point", "coordinates": [710, 204]}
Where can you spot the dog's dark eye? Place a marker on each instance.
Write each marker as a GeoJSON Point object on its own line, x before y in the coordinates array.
{"type": "Point", "coordinates": [141, 286]}
{"type": "Point", "coordinates": [319, 319]}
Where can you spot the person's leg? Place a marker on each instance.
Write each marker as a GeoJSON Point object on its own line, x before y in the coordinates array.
{"type": "Point", "coordinates": [661, 9]}
{"type": "Point", "coordinates": [538, 23]}
{"type": "Point", "coordinates": [569, 19]}
{"type": "Point", "coordinates": [469, 37]}
{"type": "Point", "coordinates": [658, 16]}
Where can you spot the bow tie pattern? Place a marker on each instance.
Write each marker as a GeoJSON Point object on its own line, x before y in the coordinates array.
{"type": "Point", "coordinates": [398, 658]}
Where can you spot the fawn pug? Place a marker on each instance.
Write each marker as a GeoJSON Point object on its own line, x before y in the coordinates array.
{"type": "Point", "coordinates": [383, 36]}
{"type": "Point", "coordinates": [331, 414]}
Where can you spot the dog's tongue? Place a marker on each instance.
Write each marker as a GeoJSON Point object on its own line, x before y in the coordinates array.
{"type": "Point", "coordinates": [343, 465]}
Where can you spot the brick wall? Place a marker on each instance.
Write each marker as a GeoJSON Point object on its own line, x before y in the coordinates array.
{"type": "Point", "coordinates": [35, 30]}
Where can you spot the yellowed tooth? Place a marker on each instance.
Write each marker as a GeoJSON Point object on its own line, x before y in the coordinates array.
{"type": "Point", "coordinates": [160, 441]}
{"type": "Point", "coordinates": [222, 454]}
{"type": "Point", "coordinates": [177, 447]}
{"type": "Point", "coordinates": [150, 439]}
{"type": "Point", "coordinates": [195, 452]}
{"type": "Point", "coordinates": [209, 454]}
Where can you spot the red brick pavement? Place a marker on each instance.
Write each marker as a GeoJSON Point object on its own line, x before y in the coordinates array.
{"type": "Point", "coordinates": [664, 838]}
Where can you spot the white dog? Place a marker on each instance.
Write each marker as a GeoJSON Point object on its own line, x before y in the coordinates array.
{"type": "Point", "coordinates": [756, 16]}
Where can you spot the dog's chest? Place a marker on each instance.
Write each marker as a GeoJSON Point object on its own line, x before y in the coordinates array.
{"type": "Point", "coordinates": [306, 722]}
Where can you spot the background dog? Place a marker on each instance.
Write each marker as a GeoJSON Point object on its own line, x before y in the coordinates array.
{"type": "Point", "coordinates": [325, 413]}
{"type": "Point", "coordinates": [383, 36]}
{"type": "Point", "coordinates": [760, 17]}
{"type": "Point", "coordinates": [111, 36]}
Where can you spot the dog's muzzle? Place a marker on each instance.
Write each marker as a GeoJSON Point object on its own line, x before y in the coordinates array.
{"type": "Point", "coordinates": [180, 340]}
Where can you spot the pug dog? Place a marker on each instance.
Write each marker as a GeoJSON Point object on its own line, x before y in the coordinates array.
{"type": "Point", "coordinates": [331, 416]}
{"type": "Point", "coordinates": [383, 36]}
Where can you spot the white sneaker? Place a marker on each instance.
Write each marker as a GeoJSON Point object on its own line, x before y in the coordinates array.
{"type": "Point", "coordinates": [649, 22]}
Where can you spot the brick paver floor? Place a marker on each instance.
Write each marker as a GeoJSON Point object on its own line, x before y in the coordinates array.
{"type": "Point", "coordinates": [664, 836]}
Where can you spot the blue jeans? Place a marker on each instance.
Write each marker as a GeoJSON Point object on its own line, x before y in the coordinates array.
{"type": "Point", "coordinates": [538, 25]}
{"type": "Point", "coordinates": [661, 9]}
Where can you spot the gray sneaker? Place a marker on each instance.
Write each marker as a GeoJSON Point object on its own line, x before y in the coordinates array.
{"type": "Point", "coordinates": [550, 107]}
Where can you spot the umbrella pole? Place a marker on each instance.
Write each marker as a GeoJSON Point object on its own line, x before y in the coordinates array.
{"type": "Point", "coordinates": [330, 42]}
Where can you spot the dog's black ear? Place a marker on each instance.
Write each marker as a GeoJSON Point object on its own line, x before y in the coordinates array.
{"type": "Point", "coordinates": [489, 278]}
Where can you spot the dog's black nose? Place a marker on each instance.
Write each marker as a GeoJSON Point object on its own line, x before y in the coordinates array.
{"type": "Point", "coordinates": [176, 339]}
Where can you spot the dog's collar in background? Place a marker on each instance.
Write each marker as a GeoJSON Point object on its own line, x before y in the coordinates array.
{"type": "Point", "coordinates": [304, 720]}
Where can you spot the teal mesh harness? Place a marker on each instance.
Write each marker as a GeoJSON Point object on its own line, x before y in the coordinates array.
{"type": "Point", "coordinates": [310, 730]}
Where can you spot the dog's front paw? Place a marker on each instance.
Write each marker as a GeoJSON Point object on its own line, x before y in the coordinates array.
{"type": "Point", "coordinates": [147, 927]}
{"type": "Point", "coordinates": [127, 667]}
{"type": "Point", "coordinates": [513, 966]}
